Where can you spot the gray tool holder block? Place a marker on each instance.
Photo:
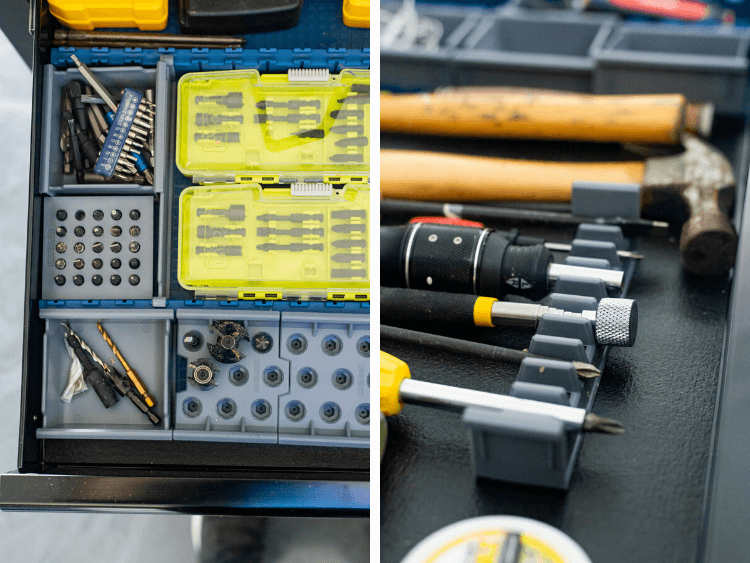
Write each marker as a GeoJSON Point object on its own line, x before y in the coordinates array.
{"type": "Point", "coordinates": [72, 206]}
{"type": "Point", "coordinates": [539, 392]}
{"type": "Point", "coordinates": [533, 49]}
{"type": "Point", "coordinates": [572, 303]}
{"type": "Point", "coordinates": [703, 64]}
{"type": "Point", "coordinates": [352, 401]}
{"type": "Point", "coordinates": [52, 179]}
{"type": "Point", "coordinates": [606, 199]}
{"type": "Point", "coordinates": [598, 250]}
{"type": "Point", "coordinates": [559, 347]}
{"type": "Point", "coordinates": [574, 285]}
{"type": "Point", "coordinates": [207, 424]}
{"type": "Point", "coordinates": [570, 327]}
{"type": "Point", "coordinates": [144, 337]}
{"type": "Point", "coordinates": [520, 448]}
{"type": "Point", "coordinates": [588, 262]}
{"type": "Point", "coordinates": [420, 69]}
{"type": "Point", "coordinates": [558, 373]}
{"type": "Point", "coordinates": [607, 233]}
{"type": "Point", "coordinates": [311, 429]}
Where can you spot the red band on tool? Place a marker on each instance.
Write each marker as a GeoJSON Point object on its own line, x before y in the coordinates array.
{"type": "Point", "coordinates": [447, 221]}
{"type": "Point", "coordinates": [677, 9]}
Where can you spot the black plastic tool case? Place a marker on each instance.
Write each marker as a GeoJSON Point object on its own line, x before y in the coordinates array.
{"type": "Point", "coordinates": [65, 461]}
{"type": "Point", "coordinates": [674, 486]}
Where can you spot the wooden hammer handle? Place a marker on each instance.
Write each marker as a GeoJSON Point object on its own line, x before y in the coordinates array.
{"type": "Point", "coordinates": [430, 176]}
{"type": "Point", "coordinates": [536, 114]}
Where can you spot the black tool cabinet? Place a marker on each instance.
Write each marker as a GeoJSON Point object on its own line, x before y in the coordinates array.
{"type": "Point", "coordinates": [674, 486]}
{"type": "Point", "coordinates": [177, 476]}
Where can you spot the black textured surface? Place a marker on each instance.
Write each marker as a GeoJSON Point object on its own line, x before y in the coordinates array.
{"type": "Point", "coordinates": [635, 497]}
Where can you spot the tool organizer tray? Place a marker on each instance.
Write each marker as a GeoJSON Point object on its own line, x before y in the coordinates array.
{"type": "Point", "coordinates": [651, 482]}
{"type": "Point", "coordinates": [582, 52]}
{"type": "Point", "coordinates": [61, 441]}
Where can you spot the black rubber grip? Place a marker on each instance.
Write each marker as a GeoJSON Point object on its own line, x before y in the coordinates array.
{"type": "Point", "coordinates": [391, 255]}
{"type": "Point", "coordinates": [443, 257]}
{"type": "Point", "coordinates": [417, 307]}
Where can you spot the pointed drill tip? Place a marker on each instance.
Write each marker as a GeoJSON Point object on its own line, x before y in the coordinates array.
{"type": "Point", "coordinates": [596, 423]}
{"type": "Point", "coordinates": [587, 370]}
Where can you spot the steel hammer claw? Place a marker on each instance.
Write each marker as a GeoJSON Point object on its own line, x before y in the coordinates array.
{"type": "Point", "coordinates": [695, 187]}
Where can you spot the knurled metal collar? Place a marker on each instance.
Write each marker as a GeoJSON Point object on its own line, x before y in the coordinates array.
{"type": "Point", "coordinates": [616, 322]}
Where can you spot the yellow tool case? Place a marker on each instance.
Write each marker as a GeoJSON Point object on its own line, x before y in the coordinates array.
{"type": "Point", "coordinates": [246, 242]}
{"type": "Point", "coordinates": [303, 126]}
{"type": "Point", "coordinates": [146, 15]}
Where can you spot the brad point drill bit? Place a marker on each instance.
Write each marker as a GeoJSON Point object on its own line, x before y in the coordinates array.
{"type": "Point", "coordinates": [128, 370]}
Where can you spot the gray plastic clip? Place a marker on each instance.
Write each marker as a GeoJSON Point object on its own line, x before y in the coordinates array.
{"type": "Point", "coordinates": [575, 285]}
{"type": "Point", "coordinates": [596, 249]}
{"type": "Point", "coordinates": [552, 372]}
{"type": "Point", "coordinates": [599, 263]}
{"type": "Point", "coordinates": [605, 199]}
{"type": "Point", "coordinates": [558, 347]}
{"type": "Point", "coordinates": [569, 327]}
{"type": "Point", "coordinates": [607, 233]}
{"type": "Point", "coordinates": [572, 303]}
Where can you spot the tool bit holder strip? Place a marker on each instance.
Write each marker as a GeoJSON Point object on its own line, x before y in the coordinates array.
{"type": "Point", "coordinates": [537, 450]}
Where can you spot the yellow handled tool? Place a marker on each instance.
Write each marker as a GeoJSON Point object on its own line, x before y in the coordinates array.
{"type": "Point", "coordinates": [128, 370]}
{"type": "Point", "coordinates": [397, 388]}
{"type": "Point", "coordinates": [514, 113]}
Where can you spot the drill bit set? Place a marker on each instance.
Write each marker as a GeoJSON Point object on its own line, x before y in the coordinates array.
{"type": "Point", "coordinates": [246, 242]}
{"type": "Point", "coordinates": [265, 128]}
{"type": "Point", "coordinates": [101, 143]}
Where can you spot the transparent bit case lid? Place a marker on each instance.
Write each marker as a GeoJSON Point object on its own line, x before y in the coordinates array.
{"type": "Point", "coordinates": [246, 242]}
{"type": "Point", "coordinates": [246, 127]}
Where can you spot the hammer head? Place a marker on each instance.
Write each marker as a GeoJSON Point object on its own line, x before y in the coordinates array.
{"type": "Point", "coordinates": [698, 181]}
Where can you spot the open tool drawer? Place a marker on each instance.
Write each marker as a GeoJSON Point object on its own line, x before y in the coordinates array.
{"type": "Point", "coordinates": [285, 428]}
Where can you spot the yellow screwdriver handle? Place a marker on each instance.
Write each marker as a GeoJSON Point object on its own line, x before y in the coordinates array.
{"type": "Point", "coordinates": [392, 372]}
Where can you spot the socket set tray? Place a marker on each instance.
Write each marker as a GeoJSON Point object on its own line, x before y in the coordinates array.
{"type": "Point", "coordinates": [246, 127]}
{"type": "Point", "coordinates": [245, 242]}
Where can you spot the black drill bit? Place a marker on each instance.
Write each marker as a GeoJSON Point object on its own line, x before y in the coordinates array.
{"type": "Point", "coordinates": [311, 134]}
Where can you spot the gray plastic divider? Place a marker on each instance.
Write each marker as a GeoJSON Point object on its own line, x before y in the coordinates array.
{"type": "Point", "coordinates": [704, 64]}
{"type": "Point", "coordinates": [533, 49]}
{"type": "Point", "coordinates": [420, 69]}
{"type": "Point", "coordinates": [52, 179]}
{"type": "Point", "coordinates": [144, 337]}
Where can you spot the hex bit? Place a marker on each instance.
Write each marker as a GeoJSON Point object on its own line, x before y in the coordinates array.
{"type": "Point", "coordinates": [346, 113]}
{"type": "Point", "coordinates": [214, 232]}
{"type": "Point", "coordinates": [349, 228]}
{"type": "Point", "coordinates": [347, 257]}
{"type": "Point", "coordinates": [294, 247]}
{"type": "Point", "coordinates": [232, 100]}
{"type": "Point", "coordinates": [220, 137]}
{"type": "Point", "coordinates": [294, 232]}
{"type": "Point", "coordinates": [349, 214]}
{"type": "Point", "coordinates": [346, 158]}
{"type": "Point", "coordinates": [343, 129]}
{"type": "Point", "coordinates": [293, 218]}
{"type": "Point", "coordinates": [349, 243]}
{"type": "Point", "coordinates": [352, 142]}
{"type": "Point", "coordinates": [347, 273]}
{"type": "Point", "coordinates": [223, 250]}
{"type": "Point", "coordinates": [233, 213]}
{"type": "Point", "coordinates": [203, 119]}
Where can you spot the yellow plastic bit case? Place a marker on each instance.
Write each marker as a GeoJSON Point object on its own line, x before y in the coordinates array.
{"type": "Point", "coordinates": [245, 127]}
{"type": "Point", "coordinates": [146, 15]}
{"type": "Point", "coordinates": [246, 242]}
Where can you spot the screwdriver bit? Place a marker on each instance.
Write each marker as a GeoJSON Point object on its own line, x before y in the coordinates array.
{"type": "Point", "coordinates": [311, 134]}
{"type": "Point", "coordinates": [225, 250]}
{"type": "Point", "coordinates": [233, 213]}
{"type": "Point", "coordinates": [75, 90]}
{"type": "Point", "coordinates": [352, 142]}
{"type": "Point", "coordinates": [291, 104]}
{"type": "Point", "coordinates": [349, 243]}
{"type": "Point", "coordinates": [293, 218]}
{"type": "Point", "coordinates": [288, 118]}
{"type": "Point", "coordinates": [219, 137]}
{"type": "Point", "coordinates": [349, 228]}
{"type": "Point", "coordinates": [344, 113]}
{"type": "Point", "coordinates": [295, 232]}
{"type": "Point", "coordinates": [346, 158]}
{"type": "Point", "coordinates": [216, 119]}
{"type": "Point", "coordinates": [232, 100]}
{"type": "Point", "coordinates": [360, 88]}
{"type": "Point", "coordinates": [346, 257]}
{"type": "Point", "coordinates": [343, 129]}
{"type": "Point", "coordinates": [349, 214]}
{"type": "Point", "coordinates": [294, 247]}
{"type": "Point", "coordinates": [347, 273]}
{"type": "Point", "coordinates": [211, 232]}
{"type": "Point", "coordinates": [360, 100]}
